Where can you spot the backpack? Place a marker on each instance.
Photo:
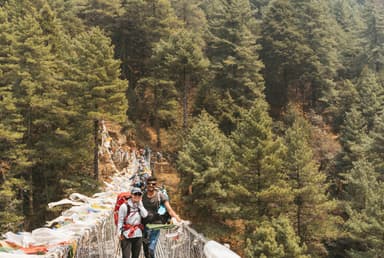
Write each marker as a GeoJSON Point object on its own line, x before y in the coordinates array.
{"type": "Point", "coordinates": [121, 199]}
{"type": "Point", "coordinates": [162, 210]}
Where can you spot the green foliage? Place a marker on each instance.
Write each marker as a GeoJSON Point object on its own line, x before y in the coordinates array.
{"type": "Point", "coordinates": [182, 61]}
{"type": "Point", "coordinates": [52, 88]}
{"type": "Point", "coordinates": [313, 219]}
{"type": "Point", "coordinates": [102, 93]}
{"type": "Point", "coordinates": [11, 212]}
{"type": "Point", "coordinates": [365, 223]}
{"type": "Point", "coordinates": [275, 239]}
{"type": "Point", "coordinates": [259, 160]}
{"type": "Point", "coordinates": [204, 163]}
{"type": "Point", "coordinates": [371, 96]}
{"type": "Point", "coordinates": [354, 139]}
{"type": "Point", "coordinates": [148, 22]}
{"type": "Point", "coordinates": [235, 65]}
{"type": "Point", "coordinates": [299, 52]}
{"type": "Point", "coordinates": [373, 35]}
{"type": "Point", "coordinates": [376, 152]}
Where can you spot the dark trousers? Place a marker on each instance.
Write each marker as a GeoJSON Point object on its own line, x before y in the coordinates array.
{"type": "Point", "coordinates": [131, 245]}
{"type": "Point", "coordinates": [151, 236]}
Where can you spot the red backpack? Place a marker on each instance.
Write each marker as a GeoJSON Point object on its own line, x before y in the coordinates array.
{"type": "Point", "coordinates": [121, 199]}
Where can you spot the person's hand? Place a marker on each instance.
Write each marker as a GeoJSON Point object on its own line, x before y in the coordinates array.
{"type": "Point", "coordinates": [121, 237]}
{"type": "Point", "coordinates": [177, 218]}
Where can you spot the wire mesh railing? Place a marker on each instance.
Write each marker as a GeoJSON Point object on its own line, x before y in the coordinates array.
{"type": "Point", "coordinates": [88, 230]}
{"type": "Point", "coordinates": [180, 242]}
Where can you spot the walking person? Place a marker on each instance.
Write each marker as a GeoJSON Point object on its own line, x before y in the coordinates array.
{"type": "Point", "coordinates": [152, 199]}
{"type": "Point", "coordinates": [130, 224]}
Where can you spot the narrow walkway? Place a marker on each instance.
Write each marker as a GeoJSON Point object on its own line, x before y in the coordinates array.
{"type": "Point", "coordinates": [87, 229]}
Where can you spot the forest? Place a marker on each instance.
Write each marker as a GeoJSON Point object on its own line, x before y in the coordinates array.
{"type": "Point", "coordinates": [271, 111]}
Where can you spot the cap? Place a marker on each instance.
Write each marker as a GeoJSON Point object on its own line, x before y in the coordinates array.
{"type": "Point", "coordinates": [136, 190]}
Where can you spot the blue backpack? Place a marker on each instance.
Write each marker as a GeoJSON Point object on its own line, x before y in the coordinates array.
{"type": "Point", "coordinates": [162, 210]}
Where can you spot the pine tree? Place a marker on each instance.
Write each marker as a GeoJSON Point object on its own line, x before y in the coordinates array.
{"type": "Point", "coordinates": [312, 218]}
{"type": "Point", "coordinates": [102, 13]}
{"type": "Point", "coordinates": [12, 151]}
{"type": "Point", "coordinates": [101, 95]}
{"type": "Point", "coordinates": [275, 238]}
{"type": "Point", "coordinates": [159, 99]}
{"type": "Point", "coordinates": [36, 93]}
{"type": "Point", "coordinates": [349, 19]}
{"type": "Point", "coordinates": [376, 153]}
{"type": "Point", "coordinates": [371, 96]}
{"type": "Point", "coordinates": [299, 52]}
{"type": "Point", "coordinates": [259, 158]}
{"type": "Point", "coordinates": [148, 22]}
{"type": "Point", "coordinates": [373, 36]}
{"type": "Point", "coordinates": [365, 210]}
{"type": "Point", "coordinates": [204, 163]}
{"type": "Point", "coordinates": [68, 13]}
{"type": "Point", "coordinates": [182, 58]}
{"type": "Point", "coordinates": [189, 61]}
{"type": "Point", "coordinates": [192, 17]}
{"type": "Point", "coordinates": [354, 138]}
{"type": "Point", "coordinates": [341, 98]}
{"type": "Point", "coordinates": [235, 64]}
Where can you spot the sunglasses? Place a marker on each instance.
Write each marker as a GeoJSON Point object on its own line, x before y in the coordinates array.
{"type": "Point", "coordinates": [137, 194]}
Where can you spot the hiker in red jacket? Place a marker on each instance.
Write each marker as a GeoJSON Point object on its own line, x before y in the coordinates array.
{"type": "Point", "coordinates": [129, 224]}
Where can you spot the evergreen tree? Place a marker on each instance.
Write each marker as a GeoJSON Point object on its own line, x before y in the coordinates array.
{"type": "Point", "coordinates": [183, 59]}
{"type": "Point", "coordinates": [354, 138]}
{"type": "Point", "coordinates": [299, 52]}
{"type": "Point", "coordinates": [371, 96]}
{"type": "Point", "coordinates": [12, 151]}
{"type": "Point", "coordinates": [312, 219]}
{"type": "Point", "coordinates": [376, 153]}
{"type": "Point", "coordinates": [67, 12]}
{"type": "Point", "coordinates": [373, 35]}
{"type": "Point", "coordinates": [341, 99]}
{"type": "Point", "coordinates": [36, 92]}
{"type": "Point", "coordinates": [259, 158]}
{"type": "Point", "coordinates": [159, 97]}
{"type": "Point", "coordinates": [189, 61]}
{"type": "Point", "coordinates": [204, 163]}
{"type": "Point", "coordinates": [192, 17]}
{"type": "Point", "coordinates": [101, 95]}
{"type": "Point", "coordinates": [101, 13]}
{"type": "Point", "coordinates": [275, 238]}
{"type": "Point", "coordinates": [232, 50]}
{"type": "Point", "coordinates": [259, 7]}
{"type": "Point", "coordinates": [348, 16]}
{"type": "Point", "coordinates": [148, 22]}
{"type": "Point", "coordinates": [365, 210]}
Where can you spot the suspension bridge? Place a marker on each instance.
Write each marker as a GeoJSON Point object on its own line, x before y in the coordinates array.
{"type": "Point", "coordinates": [87, 229]}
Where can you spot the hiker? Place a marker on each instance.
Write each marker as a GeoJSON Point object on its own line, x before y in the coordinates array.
{"type": "Point", "coordinates": [151, 199]}
{"type": "Point", "coordinates": [130, 225]}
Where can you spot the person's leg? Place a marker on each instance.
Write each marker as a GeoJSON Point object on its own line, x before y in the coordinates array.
{"type": "Point", "coordinates": [153, 237]}
{"type": "Point", "coordinates": [126, 248]}
{"type": "Point", "coordinates": [136, 246]}
{"type": "Point", "coordinates": [146, 242]}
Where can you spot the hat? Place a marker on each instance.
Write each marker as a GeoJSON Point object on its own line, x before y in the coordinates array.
{"type": "Point", "coordinates": [136, 190]}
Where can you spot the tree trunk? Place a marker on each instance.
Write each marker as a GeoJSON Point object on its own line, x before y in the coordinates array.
{"type": "Point", "coordinates": [96, 149]}
{"type": "Point", "coordinates": [46, 186]}
{"type": "Point", "coordinates": [299, 203]}
{"type": "Point", "coordinates": [156, 117]}
{"type": "Point", "coordinates": [185, 100]}
{"type": "Point", "coordinates": [30, 176]}
{"type": "Point", "coordinates": [298, 214]}
{"type": "Point", "coordinates": [30, 195]}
